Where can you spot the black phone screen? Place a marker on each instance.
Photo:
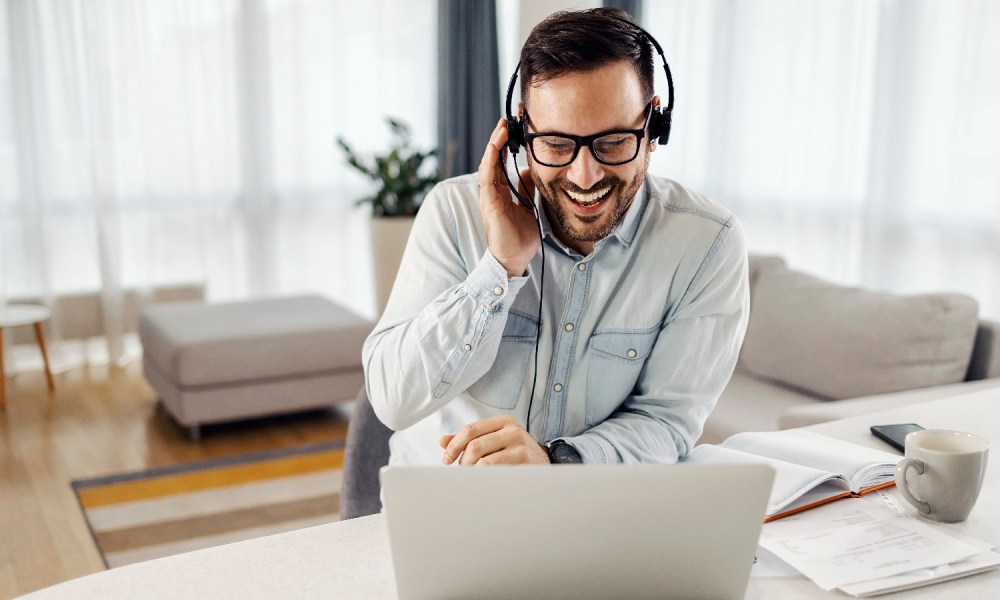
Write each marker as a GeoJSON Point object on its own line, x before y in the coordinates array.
{"type": "Point", "coordinates": [895, 434]}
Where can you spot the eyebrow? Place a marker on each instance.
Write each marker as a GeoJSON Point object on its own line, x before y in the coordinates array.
{"type": "Point", "coordinates": [645, 113]}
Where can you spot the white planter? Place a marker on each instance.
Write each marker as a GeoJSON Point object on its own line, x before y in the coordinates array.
{"type": "Point", "coordinates": [389, 235]}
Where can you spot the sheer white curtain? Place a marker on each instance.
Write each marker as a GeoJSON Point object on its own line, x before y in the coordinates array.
{"type": "Point", "coordinates": [858, 139]}
{"type": "Point", "coordinates": [145, 143]}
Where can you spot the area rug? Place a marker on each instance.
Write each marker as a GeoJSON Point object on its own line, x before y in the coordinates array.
{"type": "Point", "coordinates": [150, 514]}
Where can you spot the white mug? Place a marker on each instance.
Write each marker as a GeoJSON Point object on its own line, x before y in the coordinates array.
{"type": "Point", "coordinates": [942, 473]}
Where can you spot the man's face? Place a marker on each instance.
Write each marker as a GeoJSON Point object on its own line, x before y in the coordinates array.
{"type": "Point", "coordinates": [586, 199]}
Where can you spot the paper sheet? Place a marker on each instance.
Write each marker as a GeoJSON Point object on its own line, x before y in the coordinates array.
{"type": "Point", "coordinates": [854, 541]}
{"type": "Point", "coordinates": [977, 563]}
{"type": "Point", "coordinates": [768, 566]}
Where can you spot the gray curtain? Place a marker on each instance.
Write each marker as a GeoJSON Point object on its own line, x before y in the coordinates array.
{"type": "Point", "coordinates": [632, 7]}
{"type": "Point", "coordinates": [468, 82]}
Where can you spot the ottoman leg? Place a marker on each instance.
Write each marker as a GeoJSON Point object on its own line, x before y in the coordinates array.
{"type": "Point", "coordinates": [194, 433]}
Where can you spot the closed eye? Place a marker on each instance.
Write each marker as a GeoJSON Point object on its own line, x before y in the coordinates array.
{"type": "Point", "coordinates": [611, 143]}
{"type": "Point", "coordinates": [558, 144]}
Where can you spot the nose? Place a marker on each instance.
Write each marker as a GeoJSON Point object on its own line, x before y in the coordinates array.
{"type": "Point", "coordinates": [585, 171]}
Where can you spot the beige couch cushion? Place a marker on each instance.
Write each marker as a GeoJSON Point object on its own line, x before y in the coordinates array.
{"type": "Point", "coordinates": [750, 403]}
{"type": "Point", "coordinates": [198, 344]}
{"type": "Point", "coordinates": [841, 342]}
{"type": "Point", "coordinates": [821, 412]}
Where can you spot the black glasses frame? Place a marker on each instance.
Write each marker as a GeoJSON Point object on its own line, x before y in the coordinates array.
{"type": "Point", "coordinates": [588, 141]}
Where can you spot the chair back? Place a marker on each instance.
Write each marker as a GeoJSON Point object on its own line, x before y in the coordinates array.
{"type": "Point", "coordinates": [366, 452]}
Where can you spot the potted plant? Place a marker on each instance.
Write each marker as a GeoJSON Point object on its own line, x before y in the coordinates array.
{"type": "Point", "coordinates": [402, 178]}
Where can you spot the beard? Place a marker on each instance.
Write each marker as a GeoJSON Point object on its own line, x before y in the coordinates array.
{"type": "Point", "coordinates": [586, 228]}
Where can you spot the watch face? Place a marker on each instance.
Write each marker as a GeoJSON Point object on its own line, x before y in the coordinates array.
{"type": "Point", "coordinates": [563, 453]}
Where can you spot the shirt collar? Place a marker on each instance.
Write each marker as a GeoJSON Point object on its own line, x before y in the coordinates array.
{"type": "Point", "coordinates": [628, 227]}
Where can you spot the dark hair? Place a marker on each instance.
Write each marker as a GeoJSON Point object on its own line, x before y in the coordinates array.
{"type": "Point", "coordinates": [580, 41]}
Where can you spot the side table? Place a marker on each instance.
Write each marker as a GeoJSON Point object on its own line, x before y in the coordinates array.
{"type": "Point", "coordinates": [16, 315]}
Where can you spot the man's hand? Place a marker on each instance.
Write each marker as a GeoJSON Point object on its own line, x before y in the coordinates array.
{"type": "Point", "coordinates": [498, 440]}
{"type": "Point", "coordinates": [511, 229]}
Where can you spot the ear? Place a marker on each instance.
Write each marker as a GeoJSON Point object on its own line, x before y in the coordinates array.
{"type": "Point", "coordinates": [520, 110]}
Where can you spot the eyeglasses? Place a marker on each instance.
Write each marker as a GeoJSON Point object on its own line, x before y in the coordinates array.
{"type": "Point", "coordinates": [609, 147]}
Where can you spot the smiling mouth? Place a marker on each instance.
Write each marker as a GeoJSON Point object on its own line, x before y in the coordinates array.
{"type": "Point", "coordinates": [589, 198]}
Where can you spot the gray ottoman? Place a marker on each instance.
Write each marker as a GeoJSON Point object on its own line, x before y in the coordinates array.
{"type": "Point", "coordinates": [211, 363]}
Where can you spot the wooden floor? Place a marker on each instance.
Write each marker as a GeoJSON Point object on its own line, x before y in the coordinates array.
{"type": "Point", "coordinates": [99, 421]}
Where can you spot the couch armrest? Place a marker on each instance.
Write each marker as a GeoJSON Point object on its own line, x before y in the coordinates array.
{"type": "Point", "coordinates": [821, 412]}
{"type": "Point", "coordinates": [985, 361]}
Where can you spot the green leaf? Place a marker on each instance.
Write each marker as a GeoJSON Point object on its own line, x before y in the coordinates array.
{"type": "Point", "coordinates": [397, 173]}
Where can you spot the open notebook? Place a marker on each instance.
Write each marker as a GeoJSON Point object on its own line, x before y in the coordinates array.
{"type": "Point", "coordinates": [811, 469]}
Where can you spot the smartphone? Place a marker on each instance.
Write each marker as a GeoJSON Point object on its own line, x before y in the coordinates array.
{"type": "Point", "coordinates": [895, 434]}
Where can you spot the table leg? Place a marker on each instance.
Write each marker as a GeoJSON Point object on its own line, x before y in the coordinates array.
{"type": "Point", "coordinates": [45, 356]}
{"type": "Point", "coordinates": [3, 374]}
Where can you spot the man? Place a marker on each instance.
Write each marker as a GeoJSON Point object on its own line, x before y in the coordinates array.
{"type": "Point", "coordinates": [645, 292]}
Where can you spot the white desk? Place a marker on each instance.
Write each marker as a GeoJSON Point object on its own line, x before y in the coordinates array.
{"type": "Point", "coordinates": [352, 559]}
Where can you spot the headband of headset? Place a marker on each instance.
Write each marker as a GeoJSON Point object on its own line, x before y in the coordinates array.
{"type": "Point", "coordinates": [659, 120]}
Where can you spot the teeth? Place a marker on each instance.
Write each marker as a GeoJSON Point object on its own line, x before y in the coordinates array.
{"type": "Point", "coordinates": [589, 198]}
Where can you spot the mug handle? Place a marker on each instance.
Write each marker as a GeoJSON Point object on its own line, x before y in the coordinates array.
{"type": "Point", "coordinates": [901, 483]}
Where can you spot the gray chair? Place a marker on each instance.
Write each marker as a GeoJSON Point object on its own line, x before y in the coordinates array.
{"type": "Point", "coordinates": [366, 452]}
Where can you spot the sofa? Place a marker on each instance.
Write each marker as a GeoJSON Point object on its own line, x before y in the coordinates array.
{"type": "Point", "coordinates": [816, 351]}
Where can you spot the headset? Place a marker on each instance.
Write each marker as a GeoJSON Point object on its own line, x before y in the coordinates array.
{"type": "Point", "coordinates": [659, 119]}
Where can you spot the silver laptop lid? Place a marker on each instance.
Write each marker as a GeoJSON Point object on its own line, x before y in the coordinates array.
{"type": "Point", "coordinates": [575, 531]}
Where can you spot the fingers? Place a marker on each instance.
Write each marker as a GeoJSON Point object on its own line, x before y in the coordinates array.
{"type": "Point", "coordinates": [510, 226]}
{"type": "Point", "coordinates": [512, 445]}
{"type": "Point", "coordinates": [495, 441]}
{"type": "Point", "coordinates": [511, 455]}
{"type": "Point", "coordinates": [485, 446]}
{"type": "Point", "coordinates": [472, 432]}
{"type": "Point", "coordinates": [490, 176]}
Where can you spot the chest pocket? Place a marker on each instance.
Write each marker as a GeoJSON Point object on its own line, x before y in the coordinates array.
{"type": "Point", "coordinates": [616, 359]}
{"type": "Point", "coordinates": [501, 385]}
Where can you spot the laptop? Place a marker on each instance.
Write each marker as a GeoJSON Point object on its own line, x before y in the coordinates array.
{"type": "Point", "coordinates": [575, 531]}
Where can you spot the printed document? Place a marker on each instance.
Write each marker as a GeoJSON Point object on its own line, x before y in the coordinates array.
{"type": "Point", "coordinates": [844, 543]}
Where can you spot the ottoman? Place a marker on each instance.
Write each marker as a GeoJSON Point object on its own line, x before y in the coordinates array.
{"type": "Point", "coordinates": [211, 363]}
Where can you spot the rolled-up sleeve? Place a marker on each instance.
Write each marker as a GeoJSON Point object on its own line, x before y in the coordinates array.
{"type": "Point", "coordinates": [442, 327]}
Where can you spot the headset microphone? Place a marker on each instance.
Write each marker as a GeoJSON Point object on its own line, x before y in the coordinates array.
{"type": "Point", "coordinates": [513, 188]}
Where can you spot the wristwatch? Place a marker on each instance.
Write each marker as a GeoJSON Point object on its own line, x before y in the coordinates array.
{"type": "Point", "coordinates": [561, 453]}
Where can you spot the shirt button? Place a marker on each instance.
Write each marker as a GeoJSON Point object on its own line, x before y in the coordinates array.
{"type": "Point", "coordinates": [498, 290]}
{"type": "Point", "coordinates": [569, 327]}
{"type": "Point", "coordinates": [468, 347]}
{"type": "Point", "coordinates": [581, 266]}
{"type": "Point", "coordinates": [557, 387]}
{"type": "Point", "coordinates": [632, 353]}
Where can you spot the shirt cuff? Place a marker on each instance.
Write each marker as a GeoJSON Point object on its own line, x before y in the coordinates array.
{"type": "Point", "coordinates": [589, 447]}
{"type": "Point", "coordinates": [489, 285]}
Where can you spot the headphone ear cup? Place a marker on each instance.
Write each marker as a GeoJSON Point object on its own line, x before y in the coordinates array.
{"type": "Point", "coordinates": [659, 126]}
{"type": "Point", "coordinates": [515, 135]}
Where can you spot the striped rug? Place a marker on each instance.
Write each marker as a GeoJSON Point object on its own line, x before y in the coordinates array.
{"type": "Point", "coordinates": [150, 514]}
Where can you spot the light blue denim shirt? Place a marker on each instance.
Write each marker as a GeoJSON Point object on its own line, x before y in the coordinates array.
{"type": "Point", "coordinates": [638, 339]}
